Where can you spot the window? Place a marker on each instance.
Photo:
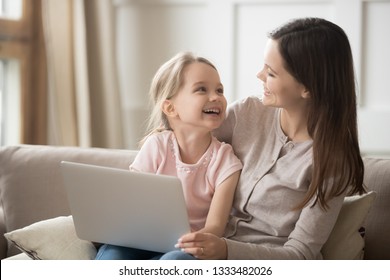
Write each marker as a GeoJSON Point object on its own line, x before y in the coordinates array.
{"type": "Point", "coordinates": [22, 73]}
{"type": "Point", "coordinates": [9, 101]}
{"type": "Point", "coordinates": [11, 9]}
{"type": "Point", "coordinates": [9, 81]}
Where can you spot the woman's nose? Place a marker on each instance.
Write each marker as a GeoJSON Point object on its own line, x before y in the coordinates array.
{"type": "Point", "coordinates": [261, 75]}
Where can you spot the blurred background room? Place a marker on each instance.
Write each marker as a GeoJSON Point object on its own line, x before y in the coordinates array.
{"type": "Point", "coordinates": [77, 72]}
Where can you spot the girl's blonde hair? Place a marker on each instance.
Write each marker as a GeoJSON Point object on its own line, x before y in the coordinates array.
{"type": "Point", "coordinates": [165, 85]}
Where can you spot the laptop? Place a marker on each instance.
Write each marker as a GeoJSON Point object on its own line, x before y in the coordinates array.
{"type": "Point", "coordinates": [125, 208]}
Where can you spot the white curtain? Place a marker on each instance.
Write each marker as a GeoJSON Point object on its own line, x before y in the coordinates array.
{"type": "Point", "coordinates": [83, 95]}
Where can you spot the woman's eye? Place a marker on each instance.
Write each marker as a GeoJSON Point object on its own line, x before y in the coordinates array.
{"type": "Point", "coordinates": [270, 74]}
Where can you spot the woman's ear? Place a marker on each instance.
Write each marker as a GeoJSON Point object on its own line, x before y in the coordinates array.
{"type": "Point", "coordinates": [306, 94]}
{"type": "Point", "coordinates": [168, 108]}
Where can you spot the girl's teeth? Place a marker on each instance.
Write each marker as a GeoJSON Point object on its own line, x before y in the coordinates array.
{"type": "Point", "coordinates": [212, 111]}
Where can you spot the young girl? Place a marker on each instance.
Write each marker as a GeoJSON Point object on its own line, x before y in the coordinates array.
{"type": "Point", "coordinates": [188, 105]}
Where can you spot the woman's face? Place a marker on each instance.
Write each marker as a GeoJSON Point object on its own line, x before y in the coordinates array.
{"type": "Point", "coordinates": [281, 89]}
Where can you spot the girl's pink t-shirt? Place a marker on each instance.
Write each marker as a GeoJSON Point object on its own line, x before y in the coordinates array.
{"type": "Point", "coordinates": [160, 155]}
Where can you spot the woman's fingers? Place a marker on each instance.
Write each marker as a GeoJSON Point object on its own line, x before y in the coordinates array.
{"type": "Point", "coordinates": [192, 237]}
{"type": "Point", "coordinates": [194, 244]}
{"type": "Point", "coordinates": [203, 246]}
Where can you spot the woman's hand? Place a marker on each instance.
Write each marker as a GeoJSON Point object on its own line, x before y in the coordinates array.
{"type": "Point", "coordinates": [205, 246]}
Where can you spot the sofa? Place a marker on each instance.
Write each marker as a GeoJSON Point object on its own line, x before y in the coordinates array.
{"type": "Point", "coordinates": [36, 222]}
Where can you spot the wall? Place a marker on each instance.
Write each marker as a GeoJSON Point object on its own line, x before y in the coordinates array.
{"type": "Point", "coordinates": [232, 33]}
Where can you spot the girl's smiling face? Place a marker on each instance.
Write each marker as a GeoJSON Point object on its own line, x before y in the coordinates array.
{"type": "Point", "coordinates": [200, 102]}
{"type": "Point", "coordinates": [281, 89]}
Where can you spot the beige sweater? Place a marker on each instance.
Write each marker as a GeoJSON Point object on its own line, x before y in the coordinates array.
{"type": "Point", "coordinates": [274, 179]}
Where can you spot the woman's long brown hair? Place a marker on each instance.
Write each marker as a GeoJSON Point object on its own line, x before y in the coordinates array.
{"type": "Point", "coordinates": [318, 54]}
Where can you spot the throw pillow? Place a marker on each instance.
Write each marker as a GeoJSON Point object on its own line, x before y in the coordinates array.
{"type": "Point", "coordinates": [53, 239]}
{"type": "Point", "coordinates": [345, 240]}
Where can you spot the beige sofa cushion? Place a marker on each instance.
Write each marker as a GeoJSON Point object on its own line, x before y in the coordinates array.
{"type": "Point", "coordinates": [31, 183]}
{"type": "Point", "coordinates": [345, 241]}
{"type": "Point", "coordinates": [52, 239]}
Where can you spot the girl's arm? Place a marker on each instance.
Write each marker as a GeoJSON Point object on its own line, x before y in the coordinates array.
{"type": "Point", "coordinates": [221, 206]}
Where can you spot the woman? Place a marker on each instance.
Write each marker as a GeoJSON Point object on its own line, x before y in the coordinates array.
{"type": "Point", "coordinates": [299, 147]}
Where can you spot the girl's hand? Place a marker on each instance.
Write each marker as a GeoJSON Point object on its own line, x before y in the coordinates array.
{"type": "Point", "coordinates": [205, 246]}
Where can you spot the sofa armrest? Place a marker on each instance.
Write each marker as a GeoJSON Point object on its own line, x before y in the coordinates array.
{"type": "Point", "coordinates": [31, 187]}
{"type": "Point", "coordinates": [3, 240]}
{"type": "Point", "coordinates": [377, 226]}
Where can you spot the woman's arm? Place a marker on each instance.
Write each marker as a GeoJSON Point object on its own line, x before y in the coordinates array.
{"type": "Point", "coordinates": [225, 132]}
{"type": "Point", "coordinates": [304, 242]}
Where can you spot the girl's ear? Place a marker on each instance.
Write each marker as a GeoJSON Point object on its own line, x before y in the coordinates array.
{"type": "Point", "coordinates": [168, 108]}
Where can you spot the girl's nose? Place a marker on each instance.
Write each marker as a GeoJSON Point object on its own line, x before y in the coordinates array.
{"type": "Point", "coordinates": [214, 96]}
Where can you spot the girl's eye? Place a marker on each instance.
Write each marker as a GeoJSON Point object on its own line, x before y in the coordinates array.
{"type": "Point", "coordinates": [220, 91]}
{"type": "Point", "coordinates": [202, 89]}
